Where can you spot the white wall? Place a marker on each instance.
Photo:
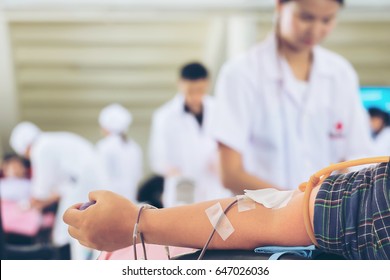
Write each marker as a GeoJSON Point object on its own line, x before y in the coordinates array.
{"type": "Point", "coordinates": [8, 98]}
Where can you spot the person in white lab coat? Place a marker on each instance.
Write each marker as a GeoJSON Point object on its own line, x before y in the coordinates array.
{"type": "Point", "coordinates": [288, 107]}
{"type": "Point", "coordinates": [180, 146]}
{"type": "Point", "coordinates": [380, 121]}
{"type": "Point", "coordinates": [122, 157]}
{"type": "Point", "coordinates": [65, 168]}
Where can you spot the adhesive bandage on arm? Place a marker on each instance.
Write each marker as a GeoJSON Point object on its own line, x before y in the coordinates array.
{"type": "Point", "coordinates": [219, 221]}
{"type": "Point", "coordinates": [270, 198]}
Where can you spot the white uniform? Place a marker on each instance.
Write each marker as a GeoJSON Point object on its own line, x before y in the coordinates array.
{"type": "Point", "coordinates": [66, 164]}
{"type": "Point", "coordinates": [284, 131]}
{"type": "Point", "coordinates": [123, 162]}
{"type": "Point", "coordinates": [177, 141]}
{"type": "Point", "coordinates": [382, 143]}
{"type": "Point", "coordinates": [15, 189]}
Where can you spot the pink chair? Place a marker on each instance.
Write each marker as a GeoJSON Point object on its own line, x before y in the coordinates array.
{"type": "Point", "coordinates": [18, 220]}
{"type": "Point", "coordinates": [22, 221]}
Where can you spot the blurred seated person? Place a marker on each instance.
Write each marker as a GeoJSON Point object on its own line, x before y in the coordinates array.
{"type": "Point", "coordinates": [380, 121]}
{"type": "Point", "coordinates": [151, 191]}
{"type": "Point", "coordinates": [15, 184]}
{"type": "Point", "coordinates": [22, 224]}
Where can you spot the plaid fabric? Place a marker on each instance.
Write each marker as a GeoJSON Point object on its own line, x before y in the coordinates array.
{"type": "Point", "coordinates": [352, 214]}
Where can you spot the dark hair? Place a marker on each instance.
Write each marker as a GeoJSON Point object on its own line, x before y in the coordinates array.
{"type": "Point", "coordinates": [340, 1]}
{"type": "Point", "coordinates": [378, 113]}
{"type": "Point", "coordinates": [10, 157]}
{"type": "Point", "coordinates": [151, 190]}
{"type": "Point", "coordinates": [194, 71]}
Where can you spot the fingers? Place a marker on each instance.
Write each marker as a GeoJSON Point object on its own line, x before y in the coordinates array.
{"type": "Point", "coordinates": [73, 216]}
{"type": "Point", "coordinates": [302, 187]}
{"type": "Point", "coordinates": [75, 233]}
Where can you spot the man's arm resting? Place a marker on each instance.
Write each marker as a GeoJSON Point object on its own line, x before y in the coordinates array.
{"type": "Point", "coordinates": [108, 224]}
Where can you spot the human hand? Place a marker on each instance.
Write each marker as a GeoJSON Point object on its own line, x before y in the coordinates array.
{"type": "Point", "coordinates": [106, 225]}
{"type": "Point", "coordinates": [173, 172]}
{"type": "Point", "coordinates": [36, 204]}
{"type": "Point", "coordinates": [39, 204]}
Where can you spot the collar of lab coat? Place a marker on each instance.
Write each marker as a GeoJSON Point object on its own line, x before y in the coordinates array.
{"type": "Point", "coordinates": [272, 60]}
{"type": "Point", "coordinates": [179, 103]}
{"type": "Point", "coordinates": [207, 107]}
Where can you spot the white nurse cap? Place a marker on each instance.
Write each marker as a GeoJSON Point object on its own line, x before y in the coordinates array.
{"type": "Point", "coordinates": [115, 118]}
{"type": "Point", "coordinates": [22, 136]}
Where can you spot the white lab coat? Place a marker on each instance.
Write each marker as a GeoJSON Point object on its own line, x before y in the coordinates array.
{"type": "Point", "coordinates": [123, 162]}
{"type": "Point", "coordinates": [382, 143]}
{"type": "Point", "coordinates": [66, 164]}
{"type": "Point", "coordinates": [285, 138]}
{"type": "Point", "coordinates": [177, 141]}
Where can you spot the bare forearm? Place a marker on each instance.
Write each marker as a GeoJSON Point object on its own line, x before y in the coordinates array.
{"type": "Point", "coordinates": [186, 226]}
{"type": "Point", "coordinates": [108, 224]}
{"type": "Point", "coordinates": [189, 226]}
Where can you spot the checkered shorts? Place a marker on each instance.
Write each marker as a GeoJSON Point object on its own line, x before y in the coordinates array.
{"type": "Point", "coordinates": [352, 214]}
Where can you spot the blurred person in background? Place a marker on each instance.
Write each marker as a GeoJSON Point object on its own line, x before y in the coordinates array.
{"type": "Point", "coordinates": [151, 190]}
{"type": "Point", "coordinates": [15, 184]}
{"type": "Point", "coordinates": [180, 146]}
{"type": "Point", "coordinates": [122, 157]}
{"type": "Point", "coordinates": [380, 121]}
{"type": "Point", "coordinates": [65, 168]}
{"type": "Point", "coordinates": [288, 107]}
{"type": "Point", "coordinates": [23, 225]}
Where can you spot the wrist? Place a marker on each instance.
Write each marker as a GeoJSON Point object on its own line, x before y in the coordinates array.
{"type": "Point", "coordinates": [145, 224]}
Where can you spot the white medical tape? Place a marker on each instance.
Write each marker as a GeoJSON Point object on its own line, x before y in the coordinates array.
{"type": "Point", "coordinates": [270, 198]}
{"type": "Point", "coordinates": [245, 203]}
{"type": "Point", "coordinates": [219, 221]}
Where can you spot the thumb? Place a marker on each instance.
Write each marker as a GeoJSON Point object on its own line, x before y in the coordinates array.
{"type": "Point", "coordinates": [96, 195]}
